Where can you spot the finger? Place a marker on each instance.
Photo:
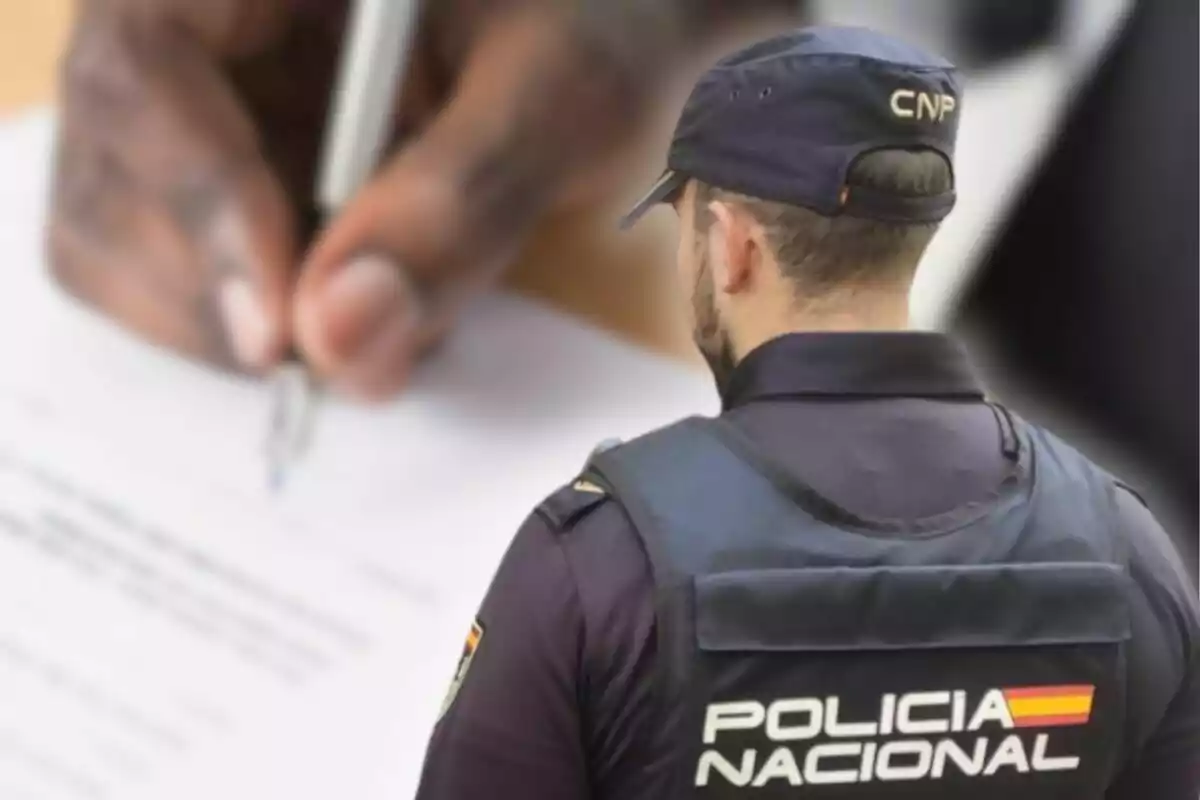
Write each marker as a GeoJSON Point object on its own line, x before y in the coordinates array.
{"type": "Point", "coordinates": [145, 307]}
{"type": "Point", "coordinates": [364, 319]}
{"type": "Point", "coordinates": [146, 110]}
{"type": "Point", "coordinates": [454, 207]}
{"type": "Point", "coordinates": [109, 247]}
{"type": "Point", "coordinates": [224, 28]}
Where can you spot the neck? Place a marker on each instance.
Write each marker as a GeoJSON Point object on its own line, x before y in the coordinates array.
{"type": "Point", "coordinates": [861, 310]}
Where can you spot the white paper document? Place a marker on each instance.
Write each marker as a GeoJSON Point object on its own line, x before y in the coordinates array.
{"type": "Point", "coordinates": [157, 643]}
{"type": "Point", "coordinates": [171, 631]}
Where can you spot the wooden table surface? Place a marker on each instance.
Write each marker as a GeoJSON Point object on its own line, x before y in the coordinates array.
{"type": "Point", "coordinates": [621, 282]}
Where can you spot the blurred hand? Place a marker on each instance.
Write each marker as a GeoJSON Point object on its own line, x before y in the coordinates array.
{"type": "Point", "coordinates": [191, 130]}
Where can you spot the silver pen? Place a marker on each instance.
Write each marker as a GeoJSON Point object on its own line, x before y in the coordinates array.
{"type": "Point", "coordinates": [374, 57]}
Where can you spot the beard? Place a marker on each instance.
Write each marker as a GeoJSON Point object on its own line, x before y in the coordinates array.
{"type": "Point", "coordinates": [710, 335]}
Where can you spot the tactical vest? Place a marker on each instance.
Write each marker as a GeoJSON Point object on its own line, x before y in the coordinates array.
{"type": "Point", "coordinates": [804, 652]}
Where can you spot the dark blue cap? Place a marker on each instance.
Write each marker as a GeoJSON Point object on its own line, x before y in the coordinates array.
{"type": "Point", "coordinates": [785, 119]}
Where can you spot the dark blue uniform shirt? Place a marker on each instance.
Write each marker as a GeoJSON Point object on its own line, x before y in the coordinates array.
{"type": "Point", "coordinates": [557, 704]}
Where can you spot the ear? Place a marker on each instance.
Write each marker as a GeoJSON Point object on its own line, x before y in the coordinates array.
{"type": "Point", "coordinates": [732, 241]}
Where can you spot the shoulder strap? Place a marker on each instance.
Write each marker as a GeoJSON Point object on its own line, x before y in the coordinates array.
{"type": "Point", "coordinates": [570, 504]}
{"type": "Point", "coordinates": [683, 512]}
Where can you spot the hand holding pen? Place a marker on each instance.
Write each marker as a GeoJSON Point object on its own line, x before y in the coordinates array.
{"type": "Point", "coordinates": [191, 133]}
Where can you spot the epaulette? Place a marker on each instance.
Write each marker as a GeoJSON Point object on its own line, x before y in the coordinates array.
{"type": "Point", "coordinates": [574, 501]}
{"type": "Point", "coordinates": [563, 509]}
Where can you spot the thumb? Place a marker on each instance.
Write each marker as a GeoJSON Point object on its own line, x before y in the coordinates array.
{"type": "Point", "coordinates": [389, 275]}
{"type": "Point", "coordinates": [387, 279]}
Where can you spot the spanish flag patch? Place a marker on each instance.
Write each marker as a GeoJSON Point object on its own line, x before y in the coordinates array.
{"type": "Point", "coordinates": [474, 638]}
{"type": "Point", "coordinates": [1050, 706]}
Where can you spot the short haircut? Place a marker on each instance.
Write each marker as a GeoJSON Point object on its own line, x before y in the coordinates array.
{"type": "Point", "coordinates": [822, 253]}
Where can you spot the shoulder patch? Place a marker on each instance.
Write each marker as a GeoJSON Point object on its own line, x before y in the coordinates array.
{"type": "Point", "coordinates": [474, 639]}
{"type": "Point", "coordinates": [571, 503]}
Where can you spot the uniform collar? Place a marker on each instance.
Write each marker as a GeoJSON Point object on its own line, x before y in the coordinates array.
{"type": "Point", "coordinates": [901, 364]}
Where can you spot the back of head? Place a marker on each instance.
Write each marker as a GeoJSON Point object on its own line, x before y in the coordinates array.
{"type": "Point", "coordinates": [810, 171]}
{"type": "Point", "coordinates": [823, 254]}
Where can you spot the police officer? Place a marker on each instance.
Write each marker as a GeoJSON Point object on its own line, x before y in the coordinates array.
{"type": "Point", "coordinates": [861, 579]}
